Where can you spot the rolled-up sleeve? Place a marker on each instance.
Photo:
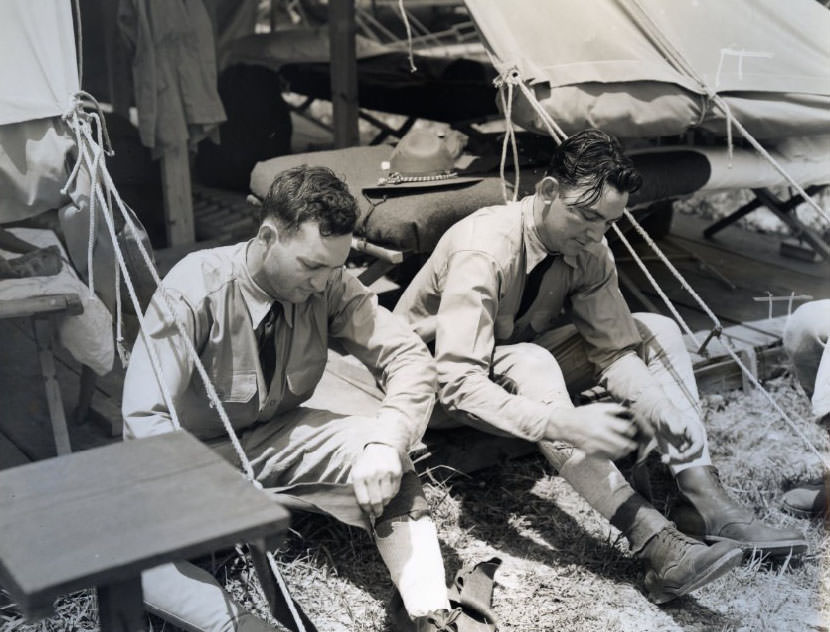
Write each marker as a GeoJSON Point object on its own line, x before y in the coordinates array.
{"type": "Point", "coordinates": [143, 404]}
{"type": "Point", "coordinates": [601, 314]}
{"type": "Point", "coordinates": [464, 344]}
{"type": "Point", "coordinates": [398, 358]}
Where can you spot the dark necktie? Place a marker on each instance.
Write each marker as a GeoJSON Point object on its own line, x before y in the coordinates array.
{"type": "Point", "coordinates": [267, 350]}
{"type": "Point", "coordinates": [534, 282]}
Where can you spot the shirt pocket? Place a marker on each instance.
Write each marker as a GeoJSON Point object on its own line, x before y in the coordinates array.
{"type": "Point", "coordinates": [304, 376]}
{"type": "Point", "coordinates": [240, 389]}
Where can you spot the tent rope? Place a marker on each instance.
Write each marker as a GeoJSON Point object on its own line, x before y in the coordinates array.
{"type": "Point", "coordinates": [666, 300]}
{"type": "Point", "coordinates": [717, 329]}
{"type": "Point", "coordinates": [405, 18]}
{"type": "Point", "coordinates": [676, 56]}
{"type": "Point", "coordinates": [509, 138]}
{"type": "Point", "coordinates": [78, 121]}
{"type": "Point", "coordinates": [84, 155]}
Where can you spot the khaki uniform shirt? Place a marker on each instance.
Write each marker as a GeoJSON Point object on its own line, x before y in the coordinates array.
{"type": "Point", "coordinates": [220, 307]}
{"type": "Point", "coordinates": [465, 300]}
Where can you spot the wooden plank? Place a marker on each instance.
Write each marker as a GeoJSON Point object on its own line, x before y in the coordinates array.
{"type": "Point", "coordinates": [343, 57]}
{"type": "Point", "coordinates": [105, 406]}
{"type": "Point", "coordinates": [177, 196]}
{"type": "Point", "coordinates": [724, 374]}
{"type": "Point", "coordinates": [25, 417]}
{"type": "Point", "coordinates": [122, 508]}
{"type": "Point", "coordinates": [44, 332]}
{"type": "Point", "coordinates": [43, 304]}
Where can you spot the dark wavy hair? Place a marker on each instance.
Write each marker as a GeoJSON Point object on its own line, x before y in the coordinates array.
{"type": "Point", "coordinates": [592, 159]}
{"type": "Point", "coordinates": [310, 194]}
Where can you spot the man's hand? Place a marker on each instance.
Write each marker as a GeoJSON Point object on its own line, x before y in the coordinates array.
{"type": "Point", "coordinates": [601, 429]}
{"type": "Point", "coordinates": [679, 442]}
{"type": "Point", "coordinates": [376, 477]}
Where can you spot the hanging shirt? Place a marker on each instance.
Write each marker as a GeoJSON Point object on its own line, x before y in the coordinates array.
{"type": "Point", "coordinates": [220, 307]}
{"type": "Point", "coordinates": [174, 71]}
{"type": "Point", "coordinates": [466, 297]}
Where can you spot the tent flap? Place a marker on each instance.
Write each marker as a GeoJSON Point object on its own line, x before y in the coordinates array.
{"type": "Point", "coordinates": [38, 66]}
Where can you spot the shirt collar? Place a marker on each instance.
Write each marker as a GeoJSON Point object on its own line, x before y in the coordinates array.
{"type": "Point", "coordinates": [257, 300]}
{"type": "Point", "coordinates": [535, 249]}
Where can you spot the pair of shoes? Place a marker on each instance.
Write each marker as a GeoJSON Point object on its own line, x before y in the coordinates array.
{"type": "Point", "coordinates": [677, 564]}
{"type": "Point", "coordinates": [709, 514]}
{"type": "Point", "coordinates": [808, 500]}
{"type": "Point", "coordinates": [435, 621]}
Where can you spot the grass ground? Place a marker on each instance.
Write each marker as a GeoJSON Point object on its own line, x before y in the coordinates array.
{"type": "Point", "coordinates": [564, 567]}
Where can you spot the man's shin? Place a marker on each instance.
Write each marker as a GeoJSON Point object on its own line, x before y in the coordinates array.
{"type": "Point", "coordinates": [407, 540]}
{"type": "Point", "coordinates": [600, 483]}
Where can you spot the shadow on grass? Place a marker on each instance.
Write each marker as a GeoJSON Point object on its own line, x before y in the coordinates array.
{"type": "Point", "coordinates": [499, 506]}
{"type": "Point", "coordinates": [348, 552]}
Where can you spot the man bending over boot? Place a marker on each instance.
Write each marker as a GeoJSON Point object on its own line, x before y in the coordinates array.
{"type": "Point", "coordinates": [260, 315]}
{"type": "Point", "coordinates": [522, 305]}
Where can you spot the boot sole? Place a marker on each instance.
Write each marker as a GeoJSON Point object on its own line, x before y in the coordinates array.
{"type": "Point", "coordinates": [798, 512]}
{"type": "Point", "coordinates": [780, 548]}
{"type": "Point", "coordinates": [721, 566]}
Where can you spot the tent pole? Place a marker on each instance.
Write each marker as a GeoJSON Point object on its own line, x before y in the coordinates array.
{"type": "Point", "coordinates": [343, 66]}
{"type": "Point", "coordinates": [178, 197]}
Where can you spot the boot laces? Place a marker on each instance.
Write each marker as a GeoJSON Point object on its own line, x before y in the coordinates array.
{"type": "Point", "coordinates": [676, 541]}
{"type": "Point", "coordinates": [444, 620]}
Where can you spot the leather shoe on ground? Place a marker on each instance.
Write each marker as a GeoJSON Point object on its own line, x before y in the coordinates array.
{"type": "Point", "coordinates": [709, 514]}
{"type": "Point", "coordinates": [435, 621]}
{"type": "Point", "coordinates": [808, 500]}
{"type": "Point", "coordinates": [677, 564]}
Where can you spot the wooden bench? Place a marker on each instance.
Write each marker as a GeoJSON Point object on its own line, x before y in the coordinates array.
{"type": "Point", "coordinates": [100, 517]}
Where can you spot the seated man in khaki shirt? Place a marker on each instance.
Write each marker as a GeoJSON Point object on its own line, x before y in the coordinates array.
{"type": "Point", "coordinates": [522, 307]}
{"type": "Point", "coordinates": [260, 315]}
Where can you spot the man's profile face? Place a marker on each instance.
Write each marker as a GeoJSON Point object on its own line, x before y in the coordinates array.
{"type": "Point", "coordinates": [299, 264]}
{"type": "Point", "coordinates": [569, 226]}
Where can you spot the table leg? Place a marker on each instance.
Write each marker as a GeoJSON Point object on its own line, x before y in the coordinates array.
{"type": "Point", "coordinates": [120, 607]}
{"type": "Point", "coordinates": [44, 332]}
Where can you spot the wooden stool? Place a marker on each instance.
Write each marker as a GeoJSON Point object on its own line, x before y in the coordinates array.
{"type": "Point", "coordinates": [43, 311]}
{"type": "Point", "coordinates": [100, 517]}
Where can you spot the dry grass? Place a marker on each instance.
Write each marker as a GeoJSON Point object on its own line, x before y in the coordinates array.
{"type": "Point", "coordinates": [564, 567]}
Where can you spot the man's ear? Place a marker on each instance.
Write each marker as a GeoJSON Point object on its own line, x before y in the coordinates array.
{"type": "Point", "coordinates": [547, 189]}
{"type": "Point", "coordinates": [267, 233]}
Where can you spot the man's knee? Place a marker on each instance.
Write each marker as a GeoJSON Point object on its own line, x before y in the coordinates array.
{"type": "Point", "coordinates": [659, 326]}
{"type": "Point", "coordinates": [808, 325]}
{"type": "Point", "coordinates": [520, 366]}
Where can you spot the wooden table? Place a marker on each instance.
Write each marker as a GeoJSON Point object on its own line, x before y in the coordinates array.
{"type": "Point", "coordinates": [100, 517]}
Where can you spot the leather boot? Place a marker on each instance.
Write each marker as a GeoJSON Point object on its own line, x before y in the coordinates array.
{"type": "Point", "coordinates": [677, 564]}
{"type": "Point", "coordinates": [808, 500]}
{"type": "Point", "coordinates": [709, 514]}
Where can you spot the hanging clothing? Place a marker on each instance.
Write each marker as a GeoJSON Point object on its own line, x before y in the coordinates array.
{"type": "Point", "coordinates": [174, 71]}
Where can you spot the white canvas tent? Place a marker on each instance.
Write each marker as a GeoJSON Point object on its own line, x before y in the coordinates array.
{"type": "Point", "coordinates": [38, 78]}
{"type": "Point", "coordinates": [643, 68]}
